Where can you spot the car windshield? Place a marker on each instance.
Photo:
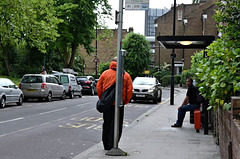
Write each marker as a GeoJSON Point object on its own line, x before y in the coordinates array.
{"type": "Point", "coordinates": [64, 79]}
{"type": "Point", "coordinates": [32, 79]}
{"type": "Point", "coordinates": [82, 79]}
{"type": "Point", "coordinates": [6, 82]}
{"type": "Point", "coordinates": [144, 81]}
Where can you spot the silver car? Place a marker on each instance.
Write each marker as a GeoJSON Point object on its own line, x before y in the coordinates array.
{"type": "Point", "coordinates": [147, 88]}
{"type": "Point", "coordinates": [42, 87]}
{"type": "Point", "coordinates": [9, 93]}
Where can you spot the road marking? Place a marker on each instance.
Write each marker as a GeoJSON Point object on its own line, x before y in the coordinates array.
{"type": "Point", "coordinates": [52, 111]}
{"type": "Point", "coordinates": [7, 121]}
{"type": "Point", "coordinates": [79, 105]}
{"type": "Point", "coordinates": [54, 121]}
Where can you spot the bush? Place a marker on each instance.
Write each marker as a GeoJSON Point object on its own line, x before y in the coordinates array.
{"type": "Point", "coordinates": [185, 75]}
{"type": "Point", "coordinates": [166, 80]}
{"type": "Point", "coordinates": [103, 67]}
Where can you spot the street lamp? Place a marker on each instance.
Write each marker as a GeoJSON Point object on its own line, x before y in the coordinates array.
{"type": "Point", "coordinates": [204, 18]}
{"type": "Point", "coordinates": [185, 21]}
{"type": "Point", "coordinates": [156, 25]}
{"type": "Point", "coordinates": [173, 55]}
{"type": "Point", "coordinates": [96, 61]}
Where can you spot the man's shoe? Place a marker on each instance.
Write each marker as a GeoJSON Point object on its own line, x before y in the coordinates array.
{"type": "Point", "coordinates": [176, 126]}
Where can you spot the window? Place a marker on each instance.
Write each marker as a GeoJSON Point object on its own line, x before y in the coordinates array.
{"type": "Point", "coordinates": [64, 79]}
{"type": "Point", "coordinates": [32, 79]}
{"type": "Point", "coordinates": [180, 14]}
{"type": "Point", "coordinates": [55, 80]}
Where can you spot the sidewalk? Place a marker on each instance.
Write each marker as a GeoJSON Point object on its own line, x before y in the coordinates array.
{"type": "Point", "coordinates": [151, 137]}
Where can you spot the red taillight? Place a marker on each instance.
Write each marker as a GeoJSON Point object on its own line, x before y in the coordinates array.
{"type": "Point", "coordinates": [88, 82]}
{"type": "Point", "coordinates": [19, 85]}
{"type": "Point", "coordinates": [43, 86]}
{"type": "Point", "coordinates": [70, 88]}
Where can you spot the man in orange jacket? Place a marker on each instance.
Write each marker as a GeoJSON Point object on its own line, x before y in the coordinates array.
{"type": "Point", "coordinates": [107, 79]}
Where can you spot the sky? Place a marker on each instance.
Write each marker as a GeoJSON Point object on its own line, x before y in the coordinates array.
{"type": "Point", "coordinates": [135, 19]}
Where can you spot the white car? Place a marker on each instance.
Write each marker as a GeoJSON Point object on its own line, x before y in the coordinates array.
{"type": "Point", "coordinates": [9, 93]}
{"type": "Point", "coordinates": [147, 88]}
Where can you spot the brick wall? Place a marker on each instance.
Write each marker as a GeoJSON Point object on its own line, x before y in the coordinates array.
{"type": "Point", "coordinates": [193, 13]}
{"type": "Point", "coordinates": [106, 50]}
{"type": "Point", "coordinates": [229, 131]}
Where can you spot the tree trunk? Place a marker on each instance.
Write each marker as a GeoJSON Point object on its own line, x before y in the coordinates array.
{"type": "Point", "coordinates": [66, 53]}
{"type": "Point", "coordinates": [74, 50]}
{"type": "Point", "coordinates": [5, 54]}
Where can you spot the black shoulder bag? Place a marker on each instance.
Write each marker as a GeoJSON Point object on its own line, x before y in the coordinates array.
{"type": "Point", "coordinates": [107, 99]}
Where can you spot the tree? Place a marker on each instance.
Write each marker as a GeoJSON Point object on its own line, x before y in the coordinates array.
{"type": "Point", "coordinates": [138, 54]}
{"type": "Point", "coordinates": [219, 73]}
{"type": "Point", "coordinates": [26, 21]}
{"type": "Point", "coordinates": [78, 26]}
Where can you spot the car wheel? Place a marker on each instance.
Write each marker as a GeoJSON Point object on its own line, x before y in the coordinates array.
{"type": "Point", "coordinates": [2, 102]}
{"type": "Point", "coordinates": [20, 101]}
{"type": "Point", "coordinates": [63, 97]}
{"type": "Point", "coordinates": [71, 95]}
{"type": "Point", "coordinates": [49, 97]}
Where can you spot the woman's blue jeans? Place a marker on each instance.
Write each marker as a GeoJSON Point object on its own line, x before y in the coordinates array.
{"type": "Point", "coordinates": [182, 112]}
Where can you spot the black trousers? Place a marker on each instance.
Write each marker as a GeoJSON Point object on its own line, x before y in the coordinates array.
{"type": "Point", "coordinates": [108, 127]}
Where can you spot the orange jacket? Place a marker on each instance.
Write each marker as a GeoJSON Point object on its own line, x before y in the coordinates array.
{"type": "Point", "coordinates": [108, 78]}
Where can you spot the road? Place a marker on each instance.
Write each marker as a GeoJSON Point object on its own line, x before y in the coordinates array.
{"type": "Point", "coordinates": [57, 130]}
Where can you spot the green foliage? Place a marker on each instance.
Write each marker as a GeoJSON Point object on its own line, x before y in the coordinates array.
{"type": "Point", "coordinates": [219, 73]}
{"type": "Point", "coordinates": [78, 26]}
{"type": "Point", "coordinates": [103, 67]}
{"type": "Point", "coordinates": [160, 73]}
{"type": "Point", "coordinates": [166, 80]}
{"type": "Point", "coordinates": [185, 75]}
{"type": "Point", "coordinates": [138, 54]}
{"type": "Point", "coordinates": [53, 27]}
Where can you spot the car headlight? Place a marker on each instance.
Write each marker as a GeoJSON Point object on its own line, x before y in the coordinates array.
{"type": "Point", "coordinates": [151, 90]}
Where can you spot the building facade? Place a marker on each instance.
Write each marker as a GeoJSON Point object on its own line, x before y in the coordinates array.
{"type": "Point", "coordinates": [106, 49]}
{"type": "Point", "coordinates": [191, 19]}
{"type": "Point", "coordinates": [150, 16]}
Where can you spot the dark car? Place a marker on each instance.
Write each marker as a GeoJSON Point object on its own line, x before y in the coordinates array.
{"type": "Point", "coordinates": [88, 84]}
{"type": "Point", "coordinates": [147, 88]}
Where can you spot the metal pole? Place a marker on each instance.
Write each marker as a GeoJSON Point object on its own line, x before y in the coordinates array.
{"type": "Point", "coordinates": [83, 66]}
{"type": "Point", "coordinates": [44, 61]}
{"type": "Point", "coordinates": [159, 55]}
{"type": "Point", "coordinates": [115, 151]}
{"type": "Point", "coordinates": [96, 61]}
{"type": "Point", "coordinates": [173, 55]}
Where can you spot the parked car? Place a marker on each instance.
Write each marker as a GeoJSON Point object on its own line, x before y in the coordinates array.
{"type": "Point", "coordinates": [9, 93]}
{"type": "Point", "coordinates": [147, 88]}
{"type": "Point", "coordinates": [42, 87]}
{"type": "Point", "coordinates": [70, 83]}
{"type": "Point", "coordinates": [88, 84]}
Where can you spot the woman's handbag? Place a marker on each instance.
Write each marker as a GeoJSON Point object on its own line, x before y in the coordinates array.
{"type": "Point", "coordinates": [107, 99]}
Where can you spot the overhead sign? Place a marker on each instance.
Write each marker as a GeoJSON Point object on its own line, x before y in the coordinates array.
{"type": "Point", "coordinates": [136, 4]}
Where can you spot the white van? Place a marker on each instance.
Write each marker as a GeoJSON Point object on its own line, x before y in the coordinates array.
{"type": "Point", "coordinates": [70, 83]}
